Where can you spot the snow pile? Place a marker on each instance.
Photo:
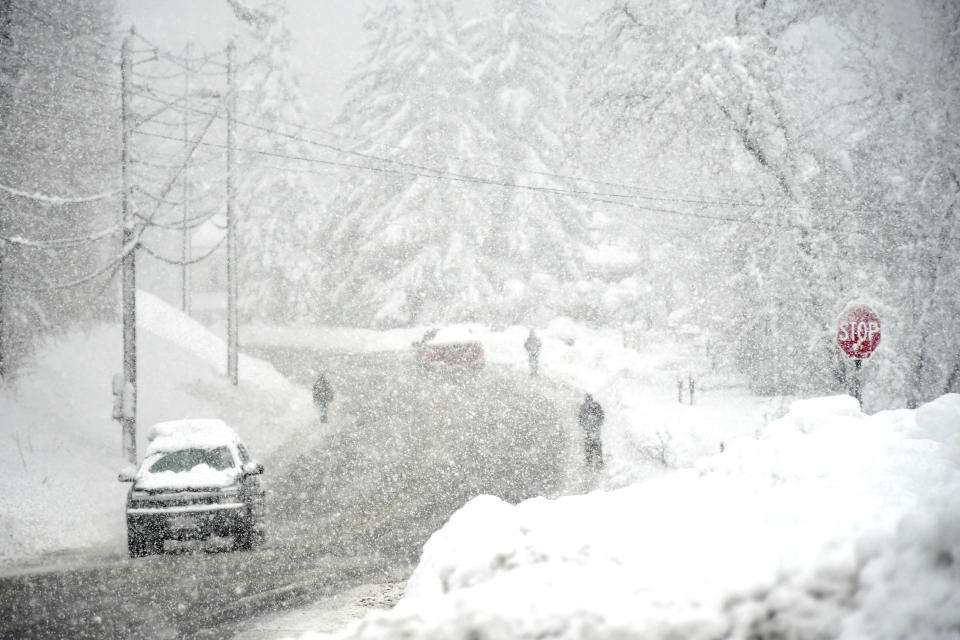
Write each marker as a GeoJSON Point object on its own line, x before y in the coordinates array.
{"type": "Point", "coordinates": [61, 450]}
{"type": "Point", "coordinates": [829, 524]}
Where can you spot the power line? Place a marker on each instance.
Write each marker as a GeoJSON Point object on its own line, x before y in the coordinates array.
{"type": "Point", "coordinates": [418, 167]}
{"type": "Point", "coordinates": [181, 263]}
{"type": "Point", "coordinates": [440, 174]}
{"type": "Point", "coordinates": [112, 264]}
{"type": "Point", "coordinates": [587, 196]}
{"type": "Point", "coordinates": [437, 175]}
{"type": "Point", "coordinates": [180, 61]}
{"type": "Point", "coordinates": [680, 199]}
{"type": "Point", "coordinates": [677, 198]}
{"type": "Point", "coordinates": [61, 243]}
{"type": "Point", "coordinates": [190, 223]}
{"type": "Point", "coordinates": [57, 201]}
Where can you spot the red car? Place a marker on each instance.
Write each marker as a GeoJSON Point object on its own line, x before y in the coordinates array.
{"type": "Point", "coordinates": [450, 347]}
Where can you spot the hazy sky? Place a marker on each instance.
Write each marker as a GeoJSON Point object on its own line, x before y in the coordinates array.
{"type": "Point", "coordinates": [327, 35]}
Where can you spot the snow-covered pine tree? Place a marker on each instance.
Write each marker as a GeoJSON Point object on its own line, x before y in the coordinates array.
{"type": "Point", "coordinates": [520, 53]}
{"type": "Point", "coordinates": [406, 243]}
{"type": "Point", "coordinates": [698, 98]}
{"type": "Point", "coordinates": [278, 200]}
{"type": "Point", "coordinates": [784, 259]}
{"type": "Point", "coordinates": [639, 118]}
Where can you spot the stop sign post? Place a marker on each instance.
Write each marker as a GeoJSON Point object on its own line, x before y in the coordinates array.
{"type": "Point", "coordinates": [858, 334]}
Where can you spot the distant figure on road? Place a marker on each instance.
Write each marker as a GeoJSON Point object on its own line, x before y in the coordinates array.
{"type": "Point", "coordinates": [322, 396]}
{"type": "Point", "coordinates": [532, 345]}
{"type": "Point", "coordinates": [590, 418]}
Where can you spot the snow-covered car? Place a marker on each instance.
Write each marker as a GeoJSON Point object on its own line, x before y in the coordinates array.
{"type": "Point", "coordinates": [455, 347]}
{"type": "Point", "coordinates": [196, 480]}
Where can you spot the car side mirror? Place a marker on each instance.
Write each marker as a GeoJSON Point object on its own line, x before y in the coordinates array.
{"type": "Point", "coordinates": [126, 474]}
{"type": "Point", "coordinates": [253, 468]}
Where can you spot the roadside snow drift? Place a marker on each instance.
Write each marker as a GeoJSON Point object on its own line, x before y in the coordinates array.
{"type": "Point", "coordinates": [831, 524]}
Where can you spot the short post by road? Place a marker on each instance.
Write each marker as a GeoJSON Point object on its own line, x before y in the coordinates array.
{"type": "Point", "coordinates": [124, 412]}
{"type": "Point", "coordinates": [858, 334]}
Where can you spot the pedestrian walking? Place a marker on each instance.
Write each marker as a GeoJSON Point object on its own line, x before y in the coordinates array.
{"type": "Point", "coordinates": [590, 419]}
{"type": "Point", "coordinates": [322, 395]}
{"type": "Point", "coordinates": [532, 345]}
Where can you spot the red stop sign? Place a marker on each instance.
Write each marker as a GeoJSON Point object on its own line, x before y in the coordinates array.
{"type": "Point", "coordinates": [859, 331]}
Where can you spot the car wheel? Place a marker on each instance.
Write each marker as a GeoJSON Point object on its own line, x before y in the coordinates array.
{"type": "Point", "coordinates": [247, 535]}
{"type": "Point", "coordinates": [140, 542]}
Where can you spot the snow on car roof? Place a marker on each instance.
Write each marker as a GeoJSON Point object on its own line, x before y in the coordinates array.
{"type": "Point", "coordinates": [455, 333]}
{"type": "Point", "coordinates": [200, 433]}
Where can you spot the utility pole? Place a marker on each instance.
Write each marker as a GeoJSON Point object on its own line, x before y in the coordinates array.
{"type": "Point", "coordinates": [3, 289]}
{"type": "Point", "coordinates": [232, 341]}
{"type": "Point", "coordinates": [128, 292]}
{"type": "Point", "coordinates": [186, 249]}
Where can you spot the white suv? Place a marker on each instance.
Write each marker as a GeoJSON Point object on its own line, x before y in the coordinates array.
{"type": "Point", "coordinates": [196, 480]}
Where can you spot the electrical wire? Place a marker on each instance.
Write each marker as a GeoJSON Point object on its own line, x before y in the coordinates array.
{"type": "Point", "coordinates": [701, 200]}
{"type": "Point", "coordinates": [393, 161]}
{"type": "Point", "coordinates": [58, 201]}
{"type": "Point", "coordinates": [142, 120]}
{"type": "Point", "coordinates": [181, 263]}
{"type": "Point", "coordinates": [158, 199]}
{"type": "Point", "coordinates": [422, 171]}
{"type": "Point", "coordinates": [195, 143]}
{"type": "Point", "coordinates": [179, 60]}
{"type": "Point", "coordinates": [438, 175]}
{"type": "Point", "coordinates": [637, 190]}
{"type": "Point", "coordinates": [191, 222]}
{"type": "Point", "coordinates": [586, 196]}
{"type": "Point", "coordinates": [114, 262]}
{"type": "Point", "coordinates": [147, 222]}
{"type": "Point", "coordinates": [62, 243]}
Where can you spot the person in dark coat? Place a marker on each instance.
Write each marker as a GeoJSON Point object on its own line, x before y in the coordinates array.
{"type": "Point", "coordinates": [590, 419]}
{"type": "Point", "coordinates": [532, 345]}
{"type": "Point", "coordinates": [322, 395]}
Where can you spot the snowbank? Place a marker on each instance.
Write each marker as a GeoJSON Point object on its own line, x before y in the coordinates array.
{"type": "Point", "coordinates": [61, 450]}
{"type": "Point", "coordinates": [829, 524]}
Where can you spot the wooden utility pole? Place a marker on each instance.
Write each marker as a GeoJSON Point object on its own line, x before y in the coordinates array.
{"type": "Point", "coordinates": [3, 290]}
{"type": "Point", "coordinates": [128, 291]}
{"type": "Point", "coordinates": [232, 340]}
{"type": "Point", "coordinates": [186, 249]}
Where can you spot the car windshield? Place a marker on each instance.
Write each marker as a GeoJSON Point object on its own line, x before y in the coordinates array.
{"type": "Point", "coordinates": [218, 458]}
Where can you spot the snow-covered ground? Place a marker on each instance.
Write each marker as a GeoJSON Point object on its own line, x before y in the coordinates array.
{"type": "Point", "coordinates": [830, 524]}
{"type": "Point", "coordinates": [823, 522]}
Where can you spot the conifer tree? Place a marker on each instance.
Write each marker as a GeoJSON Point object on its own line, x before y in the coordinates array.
{"type": "Point", "coordinates": [279, 200]}
{"type": "Point", "coordinates": [406, 240]}
{"type": "Point", "coordinates": [446, 231]}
